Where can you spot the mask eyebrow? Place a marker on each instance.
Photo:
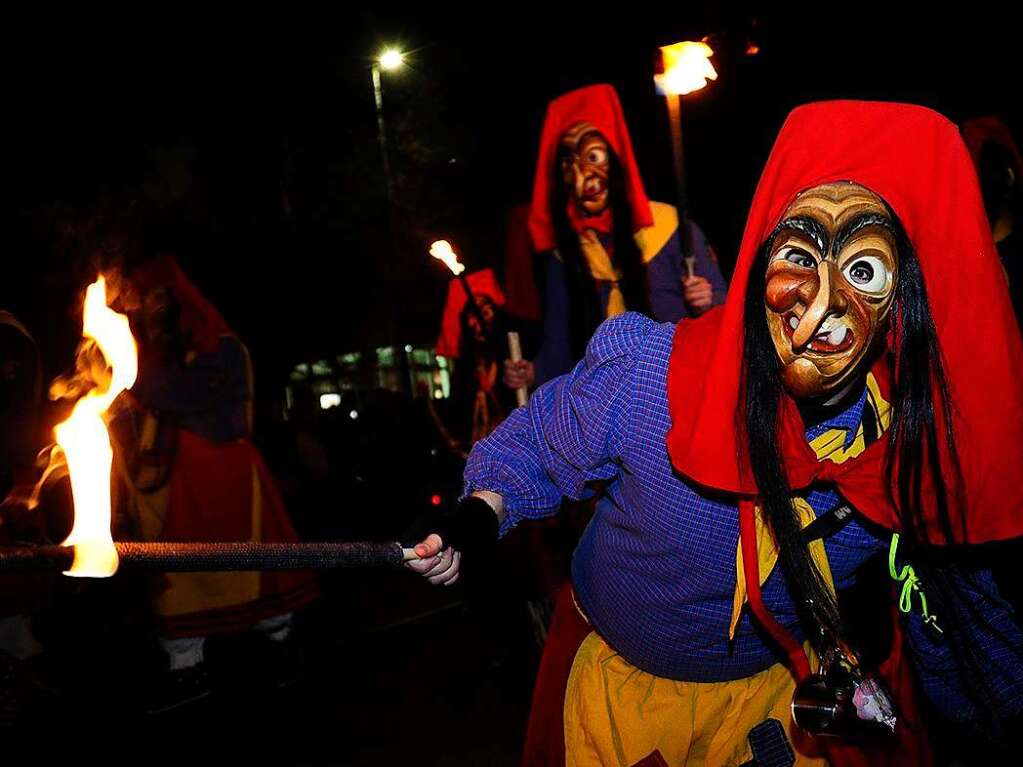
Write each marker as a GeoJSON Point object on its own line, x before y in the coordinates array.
{"type": "Point", "coordinates": [808, 227]}
{"type": "Point", "coordinates": [858, 224]}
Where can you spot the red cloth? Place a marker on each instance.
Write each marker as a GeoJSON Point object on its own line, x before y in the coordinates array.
{"type": "Point", "coordinates": [199, 318]}
{"type": "Point", "coordinates": [210, 499]}
{"type": "Point", "coordinates": [481, 283]}
{"type": "Point", "coordinates": [545, 733]}
{"type": "Point", "coordinates": [911, 744]}
{"type": "Point", "coordinates": [980, 130]}
{"type": "Point", "coordinates": [599, 105]}
{"type": "Point", "coordinates": [519, 267]}
{"type": "Point", "coordinates": [915, 159]}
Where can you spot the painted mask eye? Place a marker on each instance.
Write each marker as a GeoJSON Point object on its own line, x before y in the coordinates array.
{"type": "Point", "coordinates": [867, 273]}
{"type": "Point", "coordinates": [797, 256]}
{"type": "Point", "coordinates": [596, 155]}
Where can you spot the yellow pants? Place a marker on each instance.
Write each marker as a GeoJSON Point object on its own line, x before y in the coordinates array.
{"type": "Point", "coordinates": [616, 714]}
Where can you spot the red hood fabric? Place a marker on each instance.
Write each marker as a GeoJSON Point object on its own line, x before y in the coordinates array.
{"type": "Point", "coordinates": [980, 130]}
{"type": "Point", "coordinates": [481, 283]}
{"type": "Point", "coordinates": [199, 318]}
{"type": "Point", "coordinates": [915, 159]}
{"type": "Point", "coordinates": [599, 105]}
{"type": "Point", "coordinates": [519, 267]}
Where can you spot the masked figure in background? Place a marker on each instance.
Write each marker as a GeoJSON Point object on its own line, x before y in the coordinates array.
{"type": "Point", "coordinates": [604, 247]}
{"type": "Point", "coordinates": [999, 166]}
{"type": "Point", "coordinates": [478, 403]}
{"type": "Point", "coordinates": [847, 406]}
{"type": "Point", "coordinates": [193, 474]}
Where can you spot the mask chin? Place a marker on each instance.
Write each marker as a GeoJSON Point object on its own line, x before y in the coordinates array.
{"type": "Point", "coordinates": [804, 381]}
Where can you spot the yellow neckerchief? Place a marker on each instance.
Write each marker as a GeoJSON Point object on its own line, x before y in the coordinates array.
{"type": "Point", "coordinates": [651, 240]}
{"type": "Point", "coordinates": [829, 446]}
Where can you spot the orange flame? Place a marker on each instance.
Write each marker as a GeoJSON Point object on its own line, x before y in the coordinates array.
{"type": "Point", "coordinates": [687, 68]}
{"type": "Point", "coordinates": [443, 251]}
{"type": "Point", "coordinates": [86, 443]}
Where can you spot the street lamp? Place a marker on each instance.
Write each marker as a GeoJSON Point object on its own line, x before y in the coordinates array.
{"type": "Point", "coordinates": [389, 60]}
{"type": "Point", "coordinates": [686, 69]}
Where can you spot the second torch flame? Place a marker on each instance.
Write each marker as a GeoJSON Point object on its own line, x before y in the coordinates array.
{"type": "Point", "coordinates": [443, 251]}
{"type": "Point", "coordinates": [86, 443]}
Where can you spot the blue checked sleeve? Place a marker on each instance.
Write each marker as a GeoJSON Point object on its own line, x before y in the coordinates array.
{"type": "Point", "coordinates": [571, 434]}
{"type": "Point", "coordinates": [983, 622]}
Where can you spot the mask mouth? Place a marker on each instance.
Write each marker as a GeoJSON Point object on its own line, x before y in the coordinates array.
{"type": "Point", "coordinates": [593, 191]}
{"type": "Point", "coordinates": [833, 337]}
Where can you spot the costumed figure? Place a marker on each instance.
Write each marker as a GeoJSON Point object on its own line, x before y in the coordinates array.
{"type": "Point", "coordinates": [192, 474]}
{"type": "Point", "coordinates": [475, 351]}
{"type": "Point", "coordinates": [846, 406]}
{"type": "Point", "coordinates": [603, 246]}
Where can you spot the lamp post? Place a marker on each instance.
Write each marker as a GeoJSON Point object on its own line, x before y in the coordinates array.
{"type": "Point", "coordinates": [389, 60]}
{"type": "Point", "coordinates": [686, 69]}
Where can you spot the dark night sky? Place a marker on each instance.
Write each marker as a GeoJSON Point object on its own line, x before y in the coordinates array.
{"type": "Point", "coordinates": [247, 145]}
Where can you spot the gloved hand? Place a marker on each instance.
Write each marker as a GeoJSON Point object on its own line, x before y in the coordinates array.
{"type": "Point", "coordinates": [469, 531]}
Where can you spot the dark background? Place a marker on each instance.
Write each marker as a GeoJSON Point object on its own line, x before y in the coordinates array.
{"type": "Point", "coordinates": [247, 144]}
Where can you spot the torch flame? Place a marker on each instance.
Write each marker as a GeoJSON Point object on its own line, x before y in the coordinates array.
{"type": "Point", "coordinates": [687, 68]}
{"type": "Point", "coordinates": [443, 251]}
{"type": "Point", "coordinates": [86, 443]}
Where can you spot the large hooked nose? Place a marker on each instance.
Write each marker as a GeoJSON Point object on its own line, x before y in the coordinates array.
{"type": "Point", "coordinates": [827, 300]}
{"type": "Point", "coordinates": [578, 180]}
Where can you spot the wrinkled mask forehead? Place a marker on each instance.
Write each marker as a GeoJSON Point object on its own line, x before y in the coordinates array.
{"type": "Point", "coordinates": [832, 266]}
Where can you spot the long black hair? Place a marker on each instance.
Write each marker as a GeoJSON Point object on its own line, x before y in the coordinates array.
{"type": "Point", "coordinates": [913, 438]}
{"type": "Point", "coordinates": [585, 312]}
{"type": "Point", "coordinates": [921, 408]}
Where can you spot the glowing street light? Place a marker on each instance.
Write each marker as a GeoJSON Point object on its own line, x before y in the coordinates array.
{"type": "Point", "coordinates": [389, 60]}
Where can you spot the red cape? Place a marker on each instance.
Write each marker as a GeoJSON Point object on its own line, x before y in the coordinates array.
{"type": "Point", "coordinates": [481, 283]}
{"type": "Point", "coordinates": [980, 130]}
{"type": "Point", "coordinates": [915, 159]}
{"type": "Point", "coordinates": [599, 105]}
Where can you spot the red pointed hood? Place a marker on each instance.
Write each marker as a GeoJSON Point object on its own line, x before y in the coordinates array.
{"type": "Point", "coordinates": [916, 160]}
{"type": "Point", "coordinates": [598, 105]}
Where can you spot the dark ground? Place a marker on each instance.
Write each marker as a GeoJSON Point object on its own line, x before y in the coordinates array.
{"type": "Point", "coordinates": [396, 671]}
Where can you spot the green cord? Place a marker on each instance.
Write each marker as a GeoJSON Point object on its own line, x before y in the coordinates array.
{"type": "Point", "coordinates": [910, 583]}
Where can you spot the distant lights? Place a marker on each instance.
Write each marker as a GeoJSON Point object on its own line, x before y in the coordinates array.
{"type": "Point", "coordinates": [354, 415]}
{"type": "Point", "coordinates": [328, 401]}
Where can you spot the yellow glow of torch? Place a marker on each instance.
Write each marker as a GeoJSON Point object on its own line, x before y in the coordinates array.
{"type": "Point", "coordinates": [687, 68]}
{"type": "Point", "coordinates": [443, 251]}
{"type": "Point", "coordinates": [86, 443]}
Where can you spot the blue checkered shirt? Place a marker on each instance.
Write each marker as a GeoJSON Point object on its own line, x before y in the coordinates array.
{"type": "Point", "coordinates": [655, 569]}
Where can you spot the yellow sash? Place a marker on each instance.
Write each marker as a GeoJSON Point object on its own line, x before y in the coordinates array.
{"type": "Point", "coordinates": [829, 446]}
{"type": "Point", "coordinates": [651, 240]}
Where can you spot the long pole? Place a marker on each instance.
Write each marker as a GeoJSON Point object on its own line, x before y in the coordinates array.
{"type": "Point", "coordinates": [378, 95]}
{"type": "Point", "coordinates": [473, 306]}
{"type": "Point", "coordinates": [674, 101]}
{"type": "Point", "coordinates": [217, 557]}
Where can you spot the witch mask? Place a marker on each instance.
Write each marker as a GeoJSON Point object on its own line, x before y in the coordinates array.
{"type": "Point", "coordinates": [583, 156]}
{"type": "Point", "coordinates": [831, 273]}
